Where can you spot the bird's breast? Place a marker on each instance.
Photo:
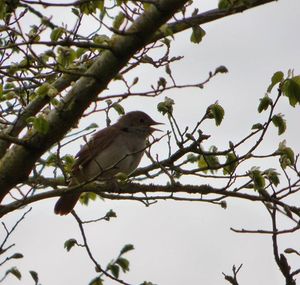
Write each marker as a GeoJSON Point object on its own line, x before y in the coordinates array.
{"type": "Point", "coordinates": [122, 155]}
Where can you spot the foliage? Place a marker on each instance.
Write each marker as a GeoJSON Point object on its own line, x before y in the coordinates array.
{"type": "Point", "coordinates": [52, 75]}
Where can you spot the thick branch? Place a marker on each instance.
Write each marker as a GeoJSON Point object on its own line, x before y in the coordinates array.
{"type": "Point", "coordinates": [207, 17]}
{"type": "Point", "coordinates": [18, 162]}
{"type": "Point", "coordinates": [135, 188]}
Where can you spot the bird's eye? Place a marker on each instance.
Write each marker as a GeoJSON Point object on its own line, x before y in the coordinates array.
{"type": "Point", "coordinates": [142, 121]}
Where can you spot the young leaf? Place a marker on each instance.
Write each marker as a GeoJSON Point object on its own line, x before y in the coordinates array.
{"type": "Point", "coordinates": [257, 178]}
{"type": "Point", "coordinates": [265, 102]}
{"type": "Point", "coordinates": [276, 78]}
{"type": "Point", "coordinates": [221, 69]}
{"type": "Point", "coordinates": [96, 281]}
{"type": "Point", "coordinates": [287, 156]}
{"type": "Point", "coordinates": [115, 270]}
{"type": "Point", "coordinates": [280, 123]}
{"type": "Point", "coordinates": [56, 34]}
{"type": "Point", "coordinates": [70, 243]}
{"type": "Point", "coordinates": [118, 107]}
{"type": "Point", "coordinates": [197, 34]}
{"type": "Point", "coordinates": [41, 125]}
{"type": "Point", "coordinates": [272, 176]}
{"type": "Point", "coordinates": [192, 158]}
{"type": "Point", "coordinates": [257, 126]}
{"type": "Point", "coordinates": [66, 56]}
{"type": "Point", "coordinates": [86, 197]}
{"type": "Point", "coordinates": [110, 214]}
{"type": "Point", "coordinates": [162, 82]}
{"type": "Point", "coordinates": [216, 112]}
{"type": "Point", "coordinates": [166, 107]}
{"type": "Point", "coordinates": [224, 4]}
{"type": "Point", "coordinates": [202, 163]}
{"type": "Point", "coordinates": [232, 162]}
{"type": "Point", "coordinates": [291, 89]}
{"type": "Point", "coordinates": [123, 263]}
{"type": "Point", "coordinates": [119, 19]}
{"type": "Point", "coordinates": [14, 271]}
{"type": "Point", "coordinates": [34, 276]}
{"type": "Point", "coordinates": [126, 248]}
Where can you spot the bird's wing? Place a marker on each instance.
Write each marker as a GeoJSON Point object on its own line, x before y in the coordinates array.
{"type": "Point", "coordinates": [100, 141]}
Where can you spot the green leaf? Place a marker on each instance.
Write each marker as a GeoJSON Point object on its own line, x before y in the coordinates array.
{"type": "Point", "coordinates": [197, 34]}
{"type": "Point", "coordinates": [96, 281]}
{"type": "Point", "coordinates": [68, 162]}
{"type": "Point", "coordinates": [202, 164]}
{"type": "Point", "coordinates": [126, 248]}
{"type": "Point", "coordinates": [76, 12]}
{"type": "Point", "coordinates": [91, 6]}
{"type": "Point", "coordinates": [265, 102]}
{"type": "Point", "coordinates": [80, 51]}
{"type": "Point", "coordinates": [41, 125]}
{"type": "Point", "coordinates": [66, 56]}
{"type": "Point", "coordinates": [86, 197]}
{"type": "Point", "coordinates": [70, 243]}
{"type": "Point", "coordinates": [221, 69]}
{"type": "Point", "coordinates": [14, 271]}
{"type": "Point", "coordinates": [114, 269]}
{"type": "Point", "coordinates": [232, 162]}
{"type": "Point", "coordinates": [287, 156]}
{"type": "Point", "coordinates": [168, 70]}
{"type": "Point", "coordinates": [166, 107]}
{"type": "Point", "coordinates": [118, 107]}
{"type": "Point", "coordinates": [291, 89]}
{"type": "Point", "coordinates": [101, 39]}
{"type": "Point", "coordinates": [3, 10]}
{"type": "Point", "coordinates": [216, 112]}
{"type": "Point", "coordinates": [276, 78]}
{"type": "Point", "coordinates": [34, 276]}
{"type": "Point", "coordinates": [56, 34]}
{"type": "Point", "coordinates": [162, 82]}
{"type": "Point", "coordinates": [110, 214]}
{"type": "Point", "coordinates": [91, 126]}
{"type": "Point", "coordinates": [123, 263]}
{"type": "Point", "coordinates": [257, 126]}
{"type": "Point", "coordinates": [192, 158]}
{"type": "Point", "coordinates": [43, 89]}
{"type": "Point", "coordinates": [280, 123]}
{"type": "Point", "coordinates": [272, 176]}
{"type": "Point", "coordinates": [224, 4]}
{"type": "Point", "coordinates": [209, 161]}
{"type": "Point", "coordinates": [118, 21]}
{"type": "Point", "coordinates": [166, 31]}
{"type": "Point", "coordinates": [259, 181]}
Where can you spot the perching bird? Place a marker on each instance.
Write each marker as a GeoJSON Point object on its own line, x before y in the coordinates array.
{"type": "Point", "coordinates": [115, 149]}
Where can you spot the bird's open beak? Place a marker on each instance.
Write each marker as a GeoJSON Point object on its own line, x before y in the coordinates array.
{"type": "Point", "coordinates": [155, 129]}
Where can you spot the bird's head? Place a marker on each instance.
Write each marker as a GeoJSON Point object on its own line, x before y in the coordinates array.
{"type": "Point", "coordinates": [138, 122]}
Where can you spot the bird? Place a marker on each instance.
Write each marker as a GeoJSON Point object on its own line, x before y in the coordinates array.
{"type": "Point", "coordinates": [115, 149]}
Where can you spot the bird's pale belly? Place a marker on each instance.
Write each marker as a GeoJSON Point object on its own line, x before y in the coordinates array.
{"type": "Point", "coordinates": [113, 161]}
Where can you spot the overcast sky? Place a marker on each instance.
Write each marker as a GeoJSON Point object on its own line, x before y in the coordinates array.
{"type": "Point", "coordinates": [186, 243]}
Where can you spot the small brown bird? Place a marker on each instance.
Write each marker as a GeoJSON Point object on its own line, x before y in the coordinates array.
{"type": "Point", "coordinates": [115, 149]}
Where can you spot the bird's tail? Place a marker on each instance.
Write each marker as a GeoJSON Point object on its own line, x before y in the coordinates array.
{"type": "Point", "coordinates": [67, 202]}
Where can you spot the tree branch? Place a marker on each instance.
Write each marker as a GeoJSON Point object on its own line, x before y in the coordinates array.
{"type": "Point", "coordinates": [18, 162]}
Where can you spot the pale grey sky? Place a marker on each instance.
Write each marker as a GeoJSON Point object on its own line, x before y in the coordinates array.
{"type": "Point", "coordinates": [186, 243]}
